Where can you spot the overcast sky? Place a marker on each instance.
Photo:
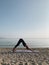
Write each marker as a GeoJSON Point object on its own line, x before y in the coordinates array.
{"type": "Point", "coordinates": [24, 18]}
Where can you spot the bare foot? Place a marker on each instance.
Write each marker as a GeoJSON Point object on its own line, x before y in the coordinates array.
{"type": "Point", "coordinates": [13, 49]}
{"type": "Point", "coordinates": [28, 48]}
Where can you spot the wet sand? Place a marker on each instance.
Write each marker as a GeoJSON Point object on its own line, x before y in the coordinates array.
{"type": "Point", "coordinates": [38, 56]}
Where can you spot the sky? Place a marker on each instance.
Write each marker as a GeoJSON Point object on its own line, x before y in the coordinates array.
{"type": "Point", "coordinates": [24, 18]}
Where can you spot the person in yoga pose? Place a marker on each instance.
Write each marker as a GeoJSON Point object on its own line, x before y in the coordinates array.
{"type": "Point", "coordinates": [24, 44]}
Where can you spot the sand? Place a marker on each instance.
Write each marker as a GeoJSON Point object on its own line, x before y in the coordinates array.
{"type": "Point", "coordinates": [38, 56]}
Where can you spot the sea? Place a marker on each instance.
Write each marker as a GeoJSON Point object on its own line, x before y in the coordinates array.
{"type": "Point", "coordinates": [31, 42]}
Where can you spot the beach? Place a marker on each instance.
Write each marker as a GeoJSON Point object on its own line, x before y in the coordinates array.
{"type": "Point", "coordinates": [38, 56]}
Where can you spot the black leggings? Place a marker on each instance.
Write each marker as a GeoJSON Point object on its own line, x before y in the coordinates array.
{"type": "Point", "coordinates": [21, 40]}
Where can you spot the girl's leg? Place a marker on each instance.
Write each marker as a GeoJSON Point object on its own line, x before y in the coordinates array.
{"type": "Point", "coordinates": [17, 45]}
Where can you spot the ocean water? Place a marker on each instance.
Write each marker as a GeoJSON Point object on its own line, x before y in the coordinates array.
{"type": "Point", "coordinates": [31, 42]}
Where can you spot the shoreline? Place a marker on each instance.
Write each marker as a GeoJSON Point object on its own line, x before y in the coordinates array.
{"type": "Point", "coordinates": [33, 49]}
